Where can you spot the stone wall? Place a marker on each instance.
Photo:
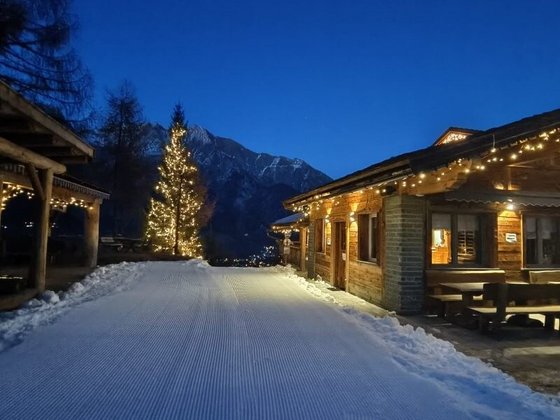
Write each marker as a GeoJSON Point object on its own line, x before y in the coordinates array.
{"type": "Point", "coordinates": [404, 253]}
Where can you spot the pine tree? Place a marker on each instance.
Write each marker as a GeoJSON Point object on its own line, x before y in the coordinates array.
{"type": "Point", "coordinates": [122, 165]}
{"type": "Point", "coordinates": [175, 213]}
{"type": "Point", "coordinates": [37, 58]}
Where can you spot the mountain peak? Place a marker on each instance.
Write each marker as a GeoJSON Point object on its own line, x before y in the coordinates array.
{"type": "Point", "coordinates": [247, 188]}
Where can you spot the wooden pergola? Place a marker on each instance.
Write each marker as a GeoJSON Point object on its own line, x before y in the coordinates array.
{"type": "Point", "coordinates": [34, 152]}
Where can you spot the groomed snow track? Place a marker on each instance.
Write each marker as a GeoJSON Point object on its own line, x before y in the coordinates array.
{"type": "Point", "coordinates": [187, 341]}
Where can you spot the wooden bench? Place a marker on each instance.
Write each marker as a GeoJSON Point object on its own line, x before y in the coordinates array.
{"type": "Point", "coordinates": [111, 243]}
{"type": "Point", "coordinates": [11, 284]}
{"type": "Point", "coordinates": [518, 299]}
{"type": "Point", "coordinates": [446, 302]}
{"type": "Point", "coordinates": [436, 276]}
{"type": "Point", "coordinates": [544, 276]}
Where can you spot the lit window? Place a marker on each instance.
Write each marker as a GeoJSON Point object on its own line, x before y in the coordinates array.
{"type": "Point", "coordinates": [441, 239]}
{"type": "Point", "coordinates": [455, 239]}
{"type": "Point", "coordinates": [467, 239]}
{"type": "Point", "coordinates": [368, 237]}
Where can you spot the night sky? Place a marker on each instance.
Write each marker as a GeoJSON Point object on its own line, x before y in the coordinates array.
{"type": "Point", "coordinates": [340, 84]}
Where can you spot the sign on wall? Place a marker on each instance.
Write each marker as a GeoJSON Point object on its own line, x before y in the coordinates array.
{"type": "Point", "coordinates": [511, 238]}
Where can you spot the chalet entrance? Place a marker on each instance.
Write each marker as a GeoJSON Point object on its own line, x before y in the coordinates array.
{"type": "Point", "coordinates": [339, 256]}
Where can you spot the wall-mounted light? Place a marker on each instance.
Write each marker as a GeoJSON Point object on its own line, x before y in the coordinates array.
{"type": "Point", "coordinates": [352, 218]}
{"type": "Point", "coordinates": [388, 190]}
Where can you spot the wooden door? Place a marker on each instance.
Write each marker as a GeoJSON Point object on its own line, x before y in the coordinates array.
{"type": "Point", "coordinates": [340, 255]}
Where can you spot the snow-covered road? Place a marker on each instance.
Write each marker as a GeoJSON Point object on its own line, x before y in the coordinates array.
{"type": "Point", "coordinates": [184, 340]}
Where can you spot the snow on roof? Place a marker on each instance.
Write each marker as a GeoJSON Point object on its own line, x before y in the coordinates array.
{"type": "Point", "coordinates": [288, 220]}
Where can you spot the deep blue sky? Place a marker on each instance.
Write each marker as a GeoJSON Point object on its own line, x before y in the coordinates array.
{"type": "Point", "coordinates": [341, 84]}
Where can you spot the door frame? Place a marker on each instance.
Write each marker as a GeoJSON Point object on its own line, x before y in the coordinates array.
{"type": "Point", "coordinates": [339, 279]}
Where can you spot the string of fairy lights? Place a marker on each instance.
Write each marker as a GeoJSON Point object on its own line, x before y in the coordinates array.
{"type": "Point", "coordinates": [172, 223]}
{"type": "Point", "coordinates": [509, 153]}
{"type": "Point", "coordinates": [11, 191]}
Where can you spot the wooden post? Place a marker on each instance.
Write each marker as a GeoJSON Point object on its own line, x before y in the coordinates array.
{"type": "Point", "coordinates": [1, 230]}
{"type": "Point", "coordinates": [91, 234]}
{"type": "Point", "coordinates": [38, 268]}
{"type": "Point", "coordinates": [302, 248]}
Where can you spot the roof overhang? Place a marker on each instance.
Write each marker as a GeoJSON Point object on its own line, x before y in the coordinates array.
{"type": "Point", "coordinates": [291, 222]}
{"type": "Point", "coordinates": [409, 165]}
{"type": "Point", "coordinates": [514, 198]}
{"type": "Point", "coordinates": [28, 126]}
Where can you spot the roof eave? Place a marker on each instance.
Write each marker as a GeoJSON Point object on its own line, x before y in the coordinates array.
{"type": "Point", "coordinates": [20, 104]}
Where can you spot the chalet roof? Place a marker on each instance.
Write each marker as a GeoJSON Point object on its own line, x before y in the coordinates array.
{"type": "Point", "coordinates": [436, 156]}
{"type": "Point", "coordinates": [28, 126]}
{"type": "Point", "coordinates": [459, 133]}
{"type": "Point", "coordinates": [288, 221]}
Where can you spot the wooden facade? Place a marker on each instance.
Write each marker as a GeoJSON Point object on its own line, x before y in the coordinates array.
{"type": "Point", "coordinates": [474, 206]}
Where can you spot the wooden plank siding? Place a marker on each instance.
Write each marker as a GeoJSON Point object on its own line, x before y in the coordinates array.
{"type": "Point", "coordinates": [364, 279]}
{"type": "Point", "coordinates": [510, 255]}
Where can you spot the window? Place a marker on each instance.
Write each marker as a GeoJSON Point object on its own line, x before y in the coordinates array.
{"type": "Point", "coordinates": [456, 239]}
{"type": "Point", "coordinates": [542, 240]}
{"type": "Point", "coordinates": [320, 235]}
{"type": "Point", "coordinates": [367, 237]}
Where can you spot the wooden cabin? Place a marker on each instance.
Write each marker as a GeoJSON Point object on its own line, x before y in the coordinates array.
{"type": "Point", "coordinates": [35, 150]}
{"type": "Point", "coordinates": [473, 206]}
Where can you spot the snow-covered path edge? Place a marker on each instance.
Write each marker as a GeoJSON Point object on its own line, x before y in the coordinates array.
{"type": "Point", "coordinates": [437, 360]}
{"type": "Point", "coordinates": [15, 325]}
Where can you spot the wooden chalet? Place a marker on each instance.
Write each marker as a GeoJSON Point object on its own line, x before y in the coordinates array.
{"type": "Point", "coordinates": [34, 152]}
{"type": "Point", "coordinates": [474, 206]}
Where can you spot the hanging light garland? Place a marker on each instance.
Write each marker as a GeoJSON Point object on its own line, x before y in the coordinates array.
{"type": "Point", "coordinates": [492, 156]}
{"type": "Point", "coordinates": [10, 191]}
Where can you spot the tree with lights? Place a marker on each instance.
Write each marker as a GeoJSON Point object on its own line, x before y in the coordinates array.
{"type": "Point", "coordinates": [175, 214]}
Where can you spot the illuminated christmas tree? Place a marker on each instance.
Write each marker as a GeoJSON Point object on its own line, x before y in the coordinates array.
{"type": "Point", "coordinates": [175, 211]}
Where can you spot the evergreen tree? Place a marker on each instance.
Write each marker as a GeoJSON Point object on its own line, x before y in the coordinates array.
{"type": "Point", "coordinates": [175, 213]}
{"type": "Point", "coordinates": [122, 164]}
{"type": "Point", "coordinates": [36, 56]}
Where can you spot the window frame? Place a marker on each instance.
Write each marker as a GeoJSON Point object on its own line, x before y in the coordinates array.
{"type": "Point", "coordinates": [484, 250]}
{"type": "Point", "coordinates": [537, 216]}
{"type": "Point", "coordinates": [370, 259]}
{"type": "Point", "coordinates": [322, 240]}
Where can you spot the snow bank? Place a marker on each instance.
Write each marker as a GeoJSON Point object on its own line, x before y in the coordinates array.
{"type": "Point", "coordinates": [486, 391]}
{"type": "Point", "coordinates": [49, 306]}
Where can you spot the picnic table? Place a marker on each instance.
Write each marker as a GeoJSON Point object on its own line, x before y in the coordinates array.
{"type": "Point", "coordinates": [467, 290]}
{"type": "Point", "coordinates": [463, 294]}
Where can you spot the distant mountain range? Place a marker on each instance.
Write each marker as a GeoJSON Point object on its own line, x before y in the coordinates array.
{"type": "Point", "coordinates": [247, 187]}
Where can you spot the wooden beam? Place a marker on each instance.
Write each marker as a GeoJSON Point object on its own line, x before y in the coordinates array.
{"type": "Point", "coordinates": [1, 198]}
{"type": "Point", "coordinates": [35, 182]}
{"type": "Point", "coordinates": [51, 151]}
{"type": "Point", "coordinates": [38, 268]}
{"type": "Point", "coordinates": [37, 115]}
{"type": "Point", "coordinates": [72, 160]}
{"type": "Point", "coordinates": [20, 154]}
{"type": "Point", "coordinates": [91, 234]}
{"type": "Point", "coordinates": [29, 140]}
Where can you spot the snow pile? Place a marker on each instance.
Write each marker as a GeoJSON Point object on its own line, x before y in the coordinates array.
{"type": "Point", "coordinates": [487, 391]}
{"type": "Point", "coordinates": [49, 306]}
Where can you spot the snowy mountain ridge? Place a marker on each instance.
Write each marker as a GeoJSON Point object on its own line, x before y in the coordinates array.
{"type": "Point", "coordinates": [246, 187]}
{"type": "Point", "coordinates": [229, 156]}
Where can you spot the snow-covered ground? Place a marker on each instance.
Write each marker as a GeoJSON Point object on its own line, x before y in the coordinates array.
{"type": "Point", "coordinates": [185, 340]}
